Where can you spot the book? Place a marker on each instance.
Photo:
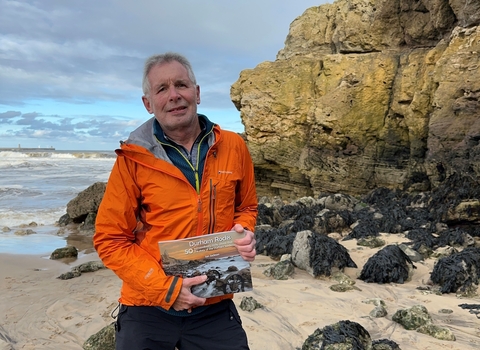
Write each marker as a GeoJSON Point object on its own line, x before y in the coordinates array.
{"type": "Point", "coordinates": [213, 255]}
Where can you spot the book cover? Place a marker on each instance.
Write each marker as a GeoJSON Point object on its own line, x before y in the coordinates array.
{"type": "Point", "coordinates": [213, 255]}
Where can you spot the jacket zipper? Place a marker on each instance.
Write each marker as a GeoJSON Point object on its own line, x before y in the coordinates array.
{"type": "Point", "coordinates": [199, 216]}
{"type": "Point", "coordinates": [197, 180]}
{"type": "Point", "coordinates": [213, 198]}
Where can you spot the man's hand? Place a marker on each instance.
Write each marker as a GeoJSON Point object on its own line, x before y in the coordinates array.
{"type": "Point", "coordinates": [186, 300]}
{"type": "Point", "coordinates": [245, 245]}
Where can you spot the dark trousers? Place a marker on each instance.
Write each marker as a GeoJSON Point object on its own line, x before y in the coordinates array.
{"type": "Point", "coordinates": [145, 327]}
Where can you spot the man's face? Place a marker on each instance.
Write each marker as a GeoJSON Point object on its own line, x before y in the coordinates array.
{"type": "Point", "coordinates": [173, 97]}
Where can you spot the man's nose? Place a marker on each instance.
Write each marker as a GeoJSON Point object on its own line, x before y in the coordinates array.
{"type": "Point", "coordinates": [173, 93]}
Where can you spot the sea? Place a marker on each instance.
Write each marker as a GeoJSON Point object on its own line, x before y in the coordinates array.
{"type": "Point", "coordinates": [35, 188]}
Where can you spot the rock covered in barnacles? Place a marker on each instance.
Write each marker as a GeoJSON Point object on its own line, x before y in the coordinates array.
{"type": "Point", "coordinates": [385, 344]}
{"type": "Point", "coordinates": [371, 242]}
{"type": "Point", "coordinates": [417, 318]}
{"type": "Point", "coordinates": [412, 318]}
{"type": "Point", "coordinates": [380, 309]}
{"type": "Point", "coordinates": [437, 332]}
{"type": "Point", "coordinates": [90, 266]}
{"type": "Point", "coordinates": [102, 340]}
{"type": "Point", "coordinates": [250, 304]}
{"type": "Point", "coordinates": [341, 335]}
{"type": "Point", "coordinates": [281, 270]}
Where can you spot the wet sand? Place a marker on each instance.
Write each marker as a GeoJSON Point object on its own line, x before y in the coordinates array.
{"type": "Point", "coordinates": [40, 311]}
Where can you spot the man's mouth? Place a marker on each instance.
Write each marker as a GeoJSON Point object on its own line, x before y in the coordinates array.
{"type": "Point", "coordinates": [181, 108]}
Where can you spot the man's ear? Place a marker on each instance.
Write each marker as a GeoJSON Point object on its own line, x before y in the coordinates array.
{"type": "Point", "coordinates": [198, 94]}
{"type": "Point", "coordinates": [146, 103]}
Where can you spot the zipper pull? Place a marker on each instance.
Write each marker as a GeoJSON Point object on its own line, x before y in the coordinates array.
{"type": "Point", "coordinates": [199, 207]}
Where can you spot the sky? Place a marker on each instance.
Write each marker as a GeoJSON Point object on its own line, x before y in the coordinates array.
{"type": "Point", "coordinates": [71, 71]}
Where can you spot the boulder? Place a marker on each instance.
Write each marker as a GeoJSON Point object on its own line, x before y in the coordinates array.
{"type": "Point", "coordinates": [102, 340]}
{"type": "Point", "coordinates": [390, 264]}
{"type": "Point", "coordinates": [412, 318]}
{"type": "Point", "coordinates": [87, 201]}
{"type": "Point", "coordinates": [341, 335]}
{"type": "Point", "coordinates": [250, 304]}
{"type": "Point", "coordinates": [459, 272]}
{"type": "Point", "coordinates": [65, 252]}
{"type": "Point", "coordinates": [319, 255]}
{"type": "Point", "coordinates": [281, 270]}
{"type": "Point", "coordinates": [417, 318]}
{"type": "Point", "coordinates": [366, 94]}
{"type": "Point", "coordinates": [77, 271]}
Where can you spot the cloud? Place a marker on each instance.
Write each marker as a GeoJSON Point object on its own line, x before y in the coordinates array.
{"type": "Point", "coordinates": [90, 53]}
{"type": "Point", "coordinates": [84, 50]}
{"type": "Point", "coordinates": [36, 125]}
{"type": "Point", "coordinates": [7, 117]}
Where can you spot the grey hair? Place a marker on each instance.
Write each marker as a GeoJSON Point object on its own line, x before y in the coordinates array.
{"type": "Point", "coordinates": [168, 57]}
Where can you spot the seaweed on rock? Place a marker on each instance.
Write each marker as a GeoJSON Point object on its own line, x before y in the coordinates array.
{"type": "Point", "coordinates": [273, 242]}
{"type": "Point", "coordinates": [347, 333]}
{"type": "Point", "coordinates": [333, 221]}
{"type": "Point", "coordinates": [364, 229]}
{"type": "Point", "coordinates": [456, 188]}
{"type": "Point", "coordinates": [398, 212]}
{"type": "Point", "coordinates": [458, 272]}
{"type": "Point", "coordinates": [267, 216]}
{"type": "Point", "coordinates": [327, 254]}
{"type": "Point", "coordinates": [472, 308]}
{"type": "Point", "coordinates": [304, 223]}
{"type": "Point", "coordinates": [388, 265]}
{"type": "Point", "coordinates": [454, 237]}
{"type": "Point", "coordinates": [421, 237]}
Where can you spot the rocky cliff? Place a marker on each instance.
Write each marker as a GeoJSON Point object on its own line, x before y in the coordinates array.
{"type": "Point", "coordinates": [367, 94]}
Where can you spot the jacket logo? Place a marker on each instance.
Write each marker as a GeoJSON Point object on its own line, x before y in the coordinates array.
{"type": "Point", "coordinates": [225, 172]}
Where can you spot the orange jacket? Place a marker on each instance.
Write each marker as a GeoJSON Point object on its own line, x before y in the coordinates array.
{"type": "Point", "coordinates": [148, 199]}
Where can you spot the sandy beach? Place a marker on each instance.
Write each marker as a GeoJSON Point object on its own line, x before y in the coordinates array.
{"type": "Point", "coordinates": [40, 311]}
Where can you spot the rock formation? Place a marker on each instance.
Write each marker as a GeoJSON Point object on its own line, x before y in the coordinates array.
{"type": "Point", "coordinates": [366, 94]}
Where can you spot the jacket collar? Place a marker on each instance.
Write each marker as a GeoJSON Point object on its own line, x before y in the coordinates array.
{"type": "Point", "coordinates": [205, 125]}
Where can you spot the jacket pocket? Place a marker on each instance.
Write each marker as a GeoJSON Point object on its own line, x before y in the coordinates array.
{"type": "Point", "coordinates": [121, 312]}
{"type": "Point", "coordinates": [221, 207]}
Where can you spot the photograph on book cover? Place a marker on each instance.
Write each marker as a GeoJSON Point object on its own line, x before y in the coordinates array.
{"type": "Point", "coordinates": [213, 255]}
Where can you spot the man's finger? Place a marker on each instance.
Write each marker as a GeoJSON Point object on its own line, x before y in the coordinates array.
{"type": "Point", "coordinates": [193, 281]}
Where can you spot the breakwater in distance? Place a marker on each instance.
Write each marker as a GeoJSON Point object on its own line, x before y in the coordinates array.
{"type": "Point", "coordinates": [20, 149]}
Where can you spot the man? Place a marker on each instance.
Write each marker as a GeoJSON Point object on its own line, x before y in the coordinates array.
{"type": "Point", "coordinates": [178, 175]}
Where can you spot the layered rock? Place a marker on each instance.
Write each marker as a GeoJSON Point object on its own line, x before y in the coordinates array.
{"type": "Point", "coordinates": [366, 94]}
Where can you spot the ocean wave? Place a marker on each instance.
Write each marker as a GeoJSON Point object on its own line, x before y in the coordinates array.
{"type": "Point", "coordinates": [57, 154]}
{"type": "Point", "coordinates": [13, 218]}
{"type": "Point", "coordinates": [20, 164]}
{"type": "Point", "coordinates": [12, 154]}
{"type": "Point", "coordinates": [17, 191]}
{"type": "Point", "coordinates": [89, 155]}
